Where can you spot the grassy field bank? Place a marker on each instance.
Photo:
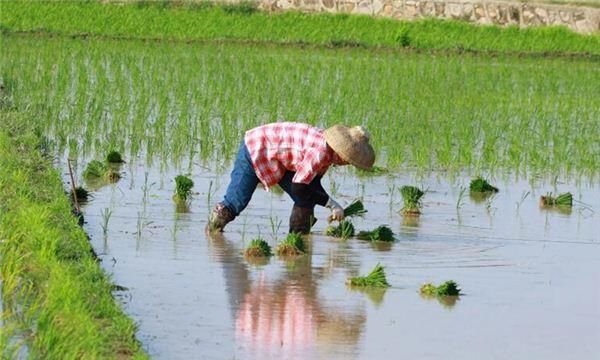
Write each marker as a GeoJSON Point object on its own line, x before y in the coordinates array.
{"type": "Point", "coordinates": [162, 20]}
{"type": "Point", "coordinates": [56, 299]}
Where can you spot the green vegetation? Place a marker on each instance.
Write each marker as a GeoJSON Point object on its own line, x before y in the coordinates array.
{"type": "Point", "coordinates": [356, 208]}
{"type": "Point", "coordinates": [258, 248]}
{"type": "Point", "coordinates": [481, 185]}
{"type": "Point", "coordinates": [344, 230]}
{"type": "Point", "coordinates": [411, 197]}
{"type": "Point", "coordinates": [183, 188]}
{"type": "Point", "coordinates": [191, 102]}
{"type": "Point", "coordinates": [56, 300]}
{"type": "Point", "coordinates": [448, 288]}
{"type": "Point", "coordinates": [98, 170]}
{"type": "Point", "coordinates": [565, 199]}
{"type": "Point", "coordinates": [380, 233]}
{"type": "Point", "coordinates": [292, 245]}
{"type": "Point", "coordinates": [114, 157]}
{"type": "Point", "coordinates": [81, 194]}
{"type": "Point", "coordinates": [376, 278]}
{"type": "Point", "coordinates": [178, 21]}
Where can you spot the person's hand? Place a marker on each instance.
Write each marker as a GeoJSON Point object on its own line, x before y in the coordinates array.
{"type": "Point", "coordinates": [337, 212]}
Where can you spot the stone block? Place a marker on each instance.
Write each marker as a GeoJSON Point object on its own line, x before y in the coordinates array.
{"type": "Point", "coordinates": [479, 11]}
{"type": "Point", "coordinates": [440, 8]}
{"type": "Point", "coordinates": [454, 10]}
{"type": "Point", "coordinates": [426, 8]}
{"type": "Point", "coordinates": [377, 6]}
{"type": "Point", "coordinates": [410, 9]}
{"type": "Point", "coordinates": [565, 16]}
{"type": "Point", "coordinates": [328, 5]}
{"type": "Point", "coordinates": [542, 15]}
{"type": "Point", "coordinates": [514, 14]}
{"type": "Point", "coordinates": [364, 7]}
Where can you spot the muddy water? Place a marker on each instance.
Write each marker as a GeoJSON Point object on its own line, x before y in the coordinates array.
{"type": "Point", "coordinates": [529, 276]}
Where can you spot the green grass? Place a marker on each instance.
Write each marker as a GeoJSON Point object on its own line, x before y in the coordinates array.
{"type": "Point", "coordinates": [55, 297]}
{"type": "Point", "coordinates": [242, 23]}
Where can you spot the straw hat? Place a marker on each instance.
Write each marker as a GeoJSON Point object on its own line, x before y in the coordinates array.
{"type": "Point", "coordinates": [351, 144]}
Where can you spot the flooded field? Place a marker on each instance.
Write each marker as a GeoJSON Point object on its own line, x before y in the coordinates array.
{"type": "Point", "coordinates": [528, 275]}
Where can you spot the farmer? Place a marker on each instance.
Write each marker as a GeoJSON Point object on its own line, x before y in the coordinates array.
{"type": "Point", "coordinates": [295, 156]}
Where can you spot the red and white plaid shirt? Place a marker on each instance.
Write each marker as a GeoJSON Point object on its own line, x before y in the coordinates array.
{"type": "Point", "coordinates": [275, 148]}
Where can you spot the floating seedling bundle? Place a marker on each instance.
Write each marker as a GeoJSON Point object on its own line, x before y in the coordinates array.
{"type": "Point", "coordinates": [114, 157]}
{"type": "Point", "coordinates": [292, 245]}
{"type": "Point", "coordinates": [345, 228]}
{"type": "Point", "coordinates": [481, 185]}
{"type": "Point", "coordinates": [448, 288]}
{"type": "Point", "coordinates": [98, 170]}
{"type": "Point", "coordinates": [183, 188]}
{"type": "Point", "coordinates": [565, 199]}
{"type": "Point", "coordinates": [258, 248]}
{"type": "Point", "coordinates": [380, 233]}
{"type": "Point", "coordinates": [376, 278]}
{"type": "Point", "coordinates": [81, 194]}
{"type": "Point", "coordinates": [411, 196]}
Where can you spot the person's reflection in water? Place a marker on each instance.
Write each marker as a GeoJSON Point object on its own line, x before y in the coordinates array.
{"type": "Point", "coordinates": [284, 316]}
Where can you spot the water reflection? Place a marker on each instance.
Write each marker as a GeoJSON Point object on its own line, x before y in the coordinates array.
{"type": "Point", "coordinates": [285, 313]}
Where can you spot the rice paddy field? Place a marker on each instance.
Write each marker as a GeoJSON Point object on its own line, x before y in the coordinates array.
{"type": "Point", "coordinates": [528, 275]}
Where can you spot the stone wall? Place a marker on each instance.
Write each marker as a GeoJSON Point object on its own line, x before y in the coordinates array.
{"type": "Point", "coordinates": [578, 18]}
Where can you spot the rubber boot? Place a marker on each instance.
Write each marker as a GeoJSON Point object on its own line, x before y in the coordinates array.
{"type": "Point", "coordinates": [301, 220]}
{"type": "Point", "coordinates": [219, 217]}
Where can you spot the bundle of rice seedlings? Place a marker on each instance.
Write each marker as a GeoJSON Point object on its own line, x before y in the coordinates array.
{"type": "Point", "coordinates": [565, 199]}
{"type": "Point", "coordinates": [97, 169]}
{"type": "Point", "coordinates": [292, 245]}
{"type": "Point", "coordinates": [411, 196]}
{"type": "Point", "coordinates": [344, 230]}
{"type": "Point", "coordinates": [380, 233]}
{"type": "Point", "coordinates": [448, 288]}
{"type": "Point", "coordinates": [376, 278]}
{"type": "Point", "coordinates": [481, 185]}
{"type": "Point", "coordinates": [183, 188]}
{"type": "Point", "coordinates": [258, 248]}
{"type": "Point", "coordinates": [114, 157]}
{"type": "Point", "coordinates": [81, 194]}
{"type": "Point", "coordinates": [356, 208]}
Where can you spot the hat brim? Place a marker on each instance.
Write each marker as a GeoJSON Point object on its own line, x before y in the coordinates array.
{"type": "Point", "coordinates": [352, 149]}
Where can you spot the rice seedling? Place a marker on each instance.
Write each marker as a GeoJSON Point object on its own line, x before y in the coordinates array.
{"type": "Point", "coordinates": [114, 157]}
{"type": "Point", "coordinates": [97, 170]}
{"type": "Point", "coordinates": [411, 196]}
{"type": "Point", "coordinates": [549, 200]}
{"type": "Point", "coordinates": [344, 230]}
{"type": "Point", "coordinates": [292, 245]}
{"type": "Point", "coordinates": [356, 208]}
{"type": "Point", "coordinates": [380, 233]}
{"type": "Point", "coordinates": [81, 194]}
{"type": "Point", "coordinates": [447, 288]}
{"type": "Point", "coordinates": [183, 188]}
{"type": "Point", "coordinates": [481, 185]}
{"type": "Point", "coordinates": [258, 248]}
{"type": "Point", "coordinates": [376, 278]}
{"type": "Point", "coordinates": [106, 214]}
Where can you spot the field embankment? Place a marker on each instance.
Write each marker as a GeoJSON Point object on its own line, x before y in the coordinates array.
{"type": "Point", "coordinates": [244, 23]}
{"type": "Point", "coordinates": [56, 300]}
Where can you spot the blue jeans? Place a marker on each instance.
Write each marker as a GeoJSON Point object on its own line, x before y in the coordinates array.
{"type": "Point", "coordinates": [244, 182]}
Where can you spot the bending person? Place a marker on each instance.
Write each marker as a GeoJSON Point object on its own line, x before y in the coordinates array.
{"type": "Point", "coordinates": [295, 156]}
